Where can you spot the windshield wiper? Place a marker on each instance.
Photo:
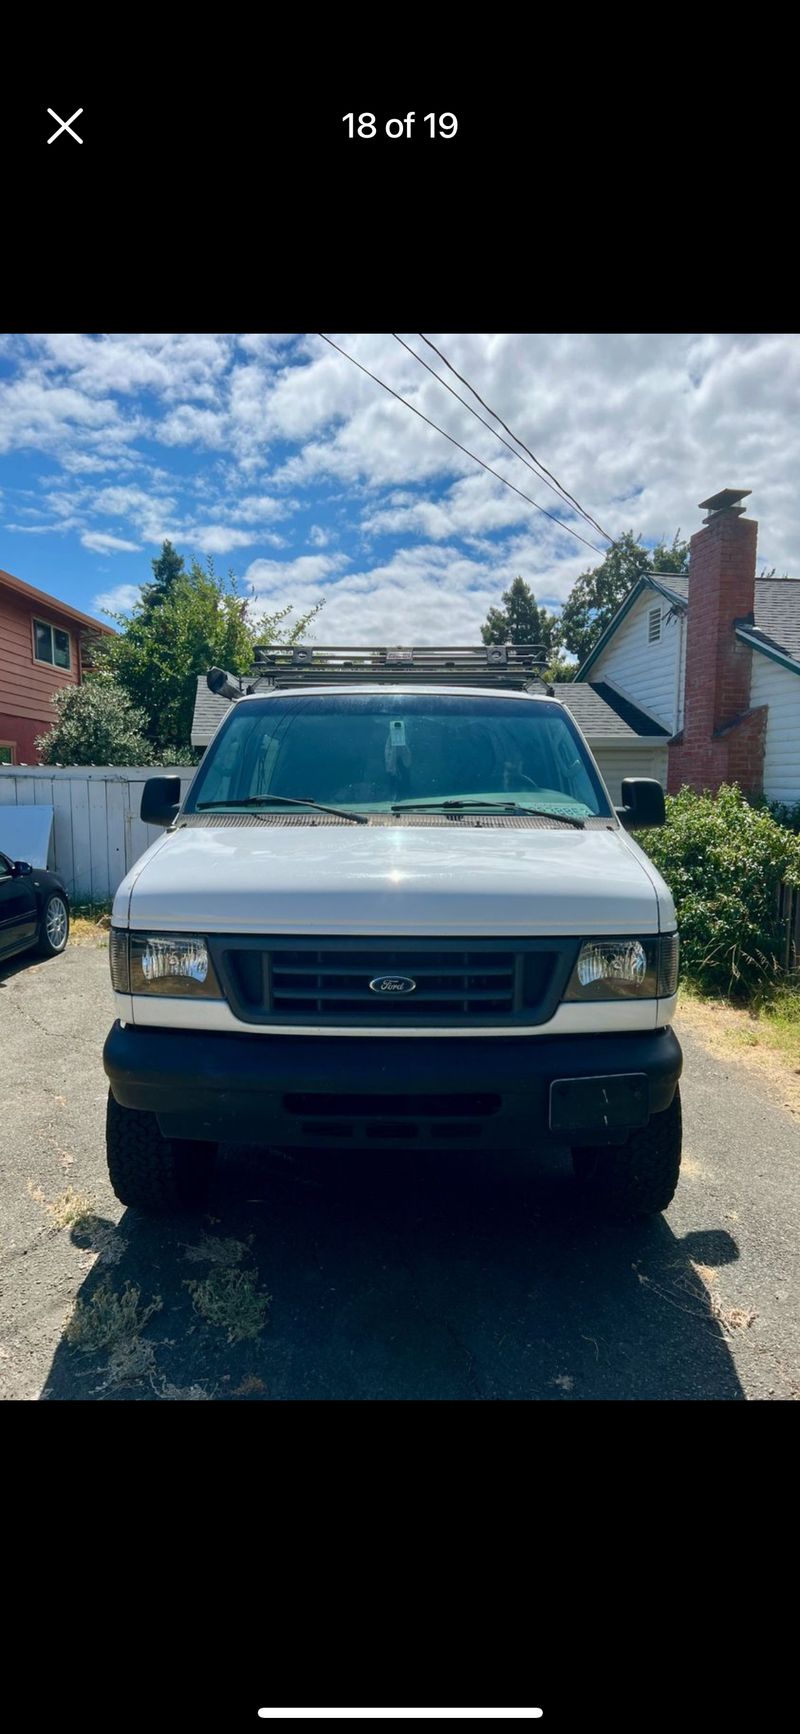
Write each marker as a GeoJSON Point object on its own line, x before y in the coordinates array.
{"type": "Point", "coordinates": [284, 801]}
{"type": "Point", "coordinates": [486, 807]}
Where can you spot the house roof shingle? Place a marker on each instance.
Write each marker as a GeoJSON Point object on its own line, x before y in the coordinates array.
{"type": "Point", "coordinates": [605, 714]}
{"type": "Point", "coordinates": [777, 612]}
{"type": "Point", "coordinates": [209, 709]}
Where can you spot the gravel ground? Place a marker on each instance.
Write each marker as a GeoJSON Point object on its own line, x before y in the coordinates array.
{"type": "Point", "coordinates": [391, 1278]}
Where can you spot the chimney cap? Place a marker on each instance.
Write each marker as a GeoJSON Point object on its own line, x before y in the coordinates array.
{"type": "Point", "coordinates": [726, 500]}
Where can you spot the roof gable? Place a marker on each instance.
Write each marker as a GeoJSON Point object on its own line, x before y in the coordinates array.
{"type": "Point", "coordinates": [42, 599]}
{"type": "Point", "coordinates": [673, 585]}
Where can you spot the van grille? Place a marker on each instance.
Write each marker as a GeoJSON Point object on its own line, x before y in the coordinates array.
{"type": "Point", "coordinates": [454, 983]}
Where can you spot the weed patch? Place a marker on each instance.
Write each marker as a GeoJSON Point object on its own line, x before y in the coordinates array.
{"type": "Point", "coordinates": [109, 1320]}
{"type": "Point", "coordinates": [229, 1299]}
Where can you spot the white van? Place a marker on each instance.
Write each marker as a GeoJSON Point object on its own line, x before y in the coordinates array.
{"type": "Point", "coordinates": [395, 906]}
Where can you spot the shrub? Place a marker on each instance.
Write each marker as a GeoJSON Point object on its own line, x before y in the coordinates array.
{"type": "Point", "coordinates": [97, 724]}
{"type": "Point", "coordinates": [723, 861]}
{"type": "Point", "coordinates": [786, 814]}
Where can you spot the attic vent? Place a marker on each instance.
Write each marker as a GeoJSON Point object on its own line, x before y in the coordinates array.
{"type": "Point", "coordinates": [654, 626]}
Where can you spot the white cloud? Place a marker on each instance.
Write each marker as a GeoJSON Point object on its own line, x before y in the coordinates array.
{"type": "Point", "coordinates": [217, 538]}
{"type": "Point", "coordinates": [122, 600]}
{"type": "Point", "coordinates": [258, 508]}
{"type": "Point", "coordinates": [265, 576]}
{"type": "Point", "coordinates": [36, 414]}
{"type": "Point", "coordinates": [423, 595]}
{"type": "Point", "coordinates": [99, 543]}
{"type": "Point", "coordinates": [191, 426]}
{"type": "Point", "coordinates": [638, 426]}
{"type": "Point", "coordinates": [182, 364]}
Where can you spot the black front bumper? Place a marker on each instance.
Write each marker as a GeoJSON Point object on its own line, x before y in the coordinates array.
{"type": "Point", "coordinates": [309, 1091]}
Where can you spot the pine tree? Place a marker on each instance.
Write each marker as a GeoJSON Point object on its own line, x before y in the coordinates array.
{"type": "Point", "coordinates": [521, 621]}
{"type": "Point", "coordinates": [167, 568]}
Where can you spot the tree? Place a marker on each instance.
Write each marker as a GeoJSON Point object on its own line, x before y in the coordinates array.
{"type": "Point", "coordinates": [161, 648]}
{"type": "Point", "coordinates": [597, 593]}
{"type": "Point", "coordinates": [167, 568]}
{"type": "Point", "coordinates": [559, 669]}
{"type": "Point", "coordinates": [521, 621]}
{"type": "Point", "coordinates": [96, 725]}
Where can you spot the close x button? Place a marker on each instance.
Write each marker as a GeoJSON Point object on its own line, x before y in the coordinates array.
{"type": "Point", "coordinates": [65, 126]}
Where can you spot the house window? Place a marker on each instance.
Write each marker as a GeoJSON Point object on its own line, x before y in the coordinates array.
{"type": "Point", "coordinates": [654, 626]}
{"type": "Point", "coordinates": [50, 644]}
{"type": "Point", "coordinates": [8, 753]}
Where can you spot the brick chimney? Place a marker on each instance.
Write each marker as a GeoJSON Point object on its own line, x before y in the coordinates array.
{"type": "Point", "coordinates": [723, 738]}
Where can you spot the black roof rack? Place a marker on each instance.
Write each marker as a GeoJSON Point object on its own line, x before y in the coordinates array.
{"type": "Point", "coordinates": [490, 665]}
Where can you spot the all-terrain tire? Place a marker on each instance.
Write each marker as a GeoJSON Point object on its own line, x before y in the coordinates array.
{"type": "Point", "coordinates": [158, 1174]}
{"type": "Point", "coordinates": [638, 1178]}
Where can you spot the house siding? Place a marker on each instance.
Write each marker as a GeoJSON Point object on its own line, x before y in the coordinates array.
{"type": "Point", "coordinates": [27, 686]}
{"type": "Point", "coordinates": [631, 760]}
{"type": "Point", "coordinates": [779, 688]}
{"type": "Point", "coordinates": [644, 672]}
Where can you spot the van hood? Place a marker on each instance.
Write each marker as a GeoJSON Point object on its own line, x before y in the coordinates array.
{"type": "Point", "coordinates": [394, 880]}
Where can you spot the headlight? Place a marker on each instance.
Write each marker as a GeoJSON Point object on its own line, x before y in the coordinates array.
{"type": "Point", "coordinates": [173, 966]}
{"type": "Point", "coordinates": [625, 969]}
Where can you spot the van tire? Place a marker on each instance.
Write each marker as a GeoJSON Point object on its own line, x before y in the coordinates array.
{"type": "Point", "coordinates": [638, 1178]}
{"type": "Point", "coordinates": [158, 1174]}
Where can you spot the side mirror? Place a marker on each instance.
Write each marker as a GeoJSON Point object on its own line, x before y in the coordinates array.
{"type": "Point", "coordinates": [642, 803]}
{"type": "Point", "coordinates": [161, 799]}
{"type": "Point", "coordinates": [21, 868]}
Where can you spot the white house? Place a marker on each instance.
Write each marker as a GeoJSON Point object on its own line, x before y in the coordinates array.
{"type": "Point", "coordinates": [714, 657]}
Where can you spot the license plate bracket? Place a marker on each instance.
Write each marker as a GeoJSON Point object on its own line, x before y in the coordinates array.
{"type": "Point", "coordinates": [602, 1104]}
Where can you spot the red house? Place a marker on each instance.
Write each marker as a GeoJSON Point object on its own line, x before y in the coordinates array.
{"type": "Point", "coordinates": [44, 644]}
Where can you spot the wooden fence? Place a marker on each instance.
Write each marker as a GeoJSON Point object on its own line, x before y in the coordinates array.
{"type": "Point", "coordinates": [97, 832]}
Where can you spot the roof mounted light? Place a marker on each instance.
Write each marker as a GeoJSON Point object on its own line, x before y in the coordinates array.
{"type": "Point", "coordinates": [222, 684]}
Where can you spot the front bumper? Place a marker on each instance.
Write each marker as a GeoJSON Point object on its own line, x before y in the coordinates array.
{"type": "Point", "coordinates": [305, 1091]}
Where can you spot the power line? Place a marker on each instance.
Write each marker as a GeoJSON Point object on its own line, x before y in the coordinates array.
{"type": "Point", "coordinates": [457, 443]}
{"type": "Point", "coordinates": [563, 491]}
{"type": "Point", "coordinates": [487, 424]}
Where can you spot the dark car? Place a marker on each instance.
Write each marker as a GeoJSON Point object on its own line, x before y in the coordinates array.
{"type": "Point", "coordinates": [34, 910]}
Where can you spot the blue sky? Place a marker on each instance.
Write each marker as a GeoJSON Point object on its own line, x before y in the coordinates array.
{"type": "Point", "coordinates": [275, 455]}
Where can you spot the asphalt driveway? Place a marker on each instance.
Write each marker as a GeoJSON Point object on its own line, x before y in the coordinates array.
{"type": "Point", "coordinates": [392, 1278]}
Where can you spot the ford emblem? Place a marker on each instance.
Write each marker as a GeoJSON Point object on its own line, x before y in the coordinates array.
{"type": "Point", "coordinates": [392, 984]}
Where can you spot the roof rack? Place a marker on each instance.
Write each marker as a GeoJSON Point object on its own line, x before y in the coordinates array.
{"type": "Point", "coordinates": [489, 665]}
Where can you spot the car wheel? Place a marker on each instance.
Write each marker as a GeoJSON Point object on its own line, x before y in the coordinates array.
{"type": "Point", "coordinates": [53, 927]}
{"type": "Point", "coordinates": [158, 1174]}
{"type": "Point", "coordinates": [638, 1178]}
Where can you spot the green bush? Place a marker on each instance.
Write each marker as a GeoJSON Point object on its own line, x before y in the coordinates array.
{"type": "Point", "coordinates": [97, 724]}
{"type": "Point", "coordinates": [723, 861]}
{"type": "Point", "coordinates": [786, 814]}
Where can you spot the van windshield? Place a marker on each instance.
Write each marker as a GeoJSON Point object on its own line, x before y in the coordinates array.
{"type": "Point", "coordinates": [370, 752]}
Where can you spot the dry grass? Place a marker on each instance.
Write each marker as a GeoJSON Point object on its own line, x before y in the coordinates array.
{"type": "Point", "coordinates": [89, 923]}
{"type": "Point", "coordinates": [212, 1251]}
{"type": "Point", "coordinates": [229, 1299]}
{"type": "Point", "coordinates": [766, 1039]}
{"type": "Point", "coordinates": [70, 1209]}
{"type": "Point", "coordinates": [114, 1322]}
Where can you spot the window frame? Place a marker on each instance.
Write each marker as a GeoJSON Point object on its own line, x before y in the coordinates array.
{"type": "Point", "coordinates": [50, 662]}
{"type": "Point", "coordinates": [12, 748]}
